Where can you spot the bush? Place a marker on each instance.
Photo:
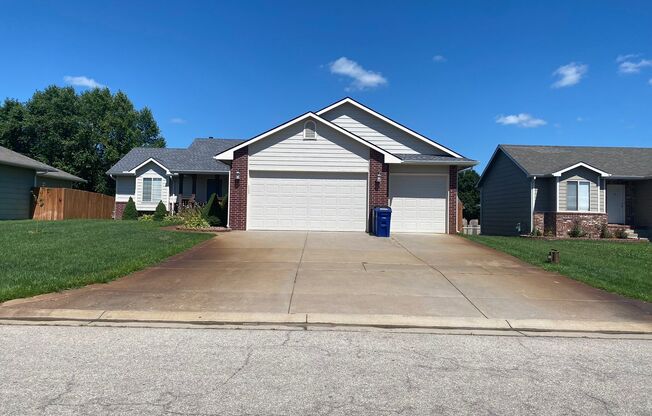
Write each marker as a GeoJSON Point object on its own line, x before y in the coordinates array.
{"type": "Point", "coordinates": [172, 220]}
{"type": "Point", "coordinates": [620, 233]}
{"type": "Point", "coordinates": [130, 212]}
{"type": "Point", "coordinates": [577, 231]}
{"type": "Point", "coordinates": [605, 232]}
{"type": "Point", "coordinates": [224, 211]}
{"type": "Point", "coordinates": [193, 218]}
{"type": "Point", "coordinates": [536, 233]}
{"type": "Point", "coordinates": [160, 212]}
{"type": "Point", "coordinates": [211, 211]}
{"type": "Point", "coordinates": [146, 218]}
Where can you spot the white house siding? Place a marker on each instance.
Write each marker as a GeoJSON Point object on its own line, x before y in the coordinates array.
{"type": "Point", "coordinates": [151, 170]}
{"type": "Point", "coordinates": [377, 131]}
{"type": "Point", "coordinates": [584, 175]}
{"type": "Point", "coordinates": [287, 150]}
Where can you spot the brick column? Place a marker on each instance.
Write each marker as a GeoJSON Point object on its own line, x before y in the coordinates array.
{"type": "Point", "coordinates": [238, 190]}
{"type": "Point", "coordinates": [452, 200]}
{"type": "Point", "coordinates": [119, 209]}
{"type": "Point", "coordinates": [378, 191]}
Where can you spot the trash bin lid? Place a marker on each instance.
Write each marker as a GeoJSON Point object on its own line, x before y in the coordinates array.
{"type": "Point", "coordinates": [383, 209]}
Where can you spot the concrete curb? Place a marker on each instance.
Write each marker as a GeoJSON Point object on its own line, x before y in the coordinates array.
{"type": "Point", "coordinates": [85, 316]}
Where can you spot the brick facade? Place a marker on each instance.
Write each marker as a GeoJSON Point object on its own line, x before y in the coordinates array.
{"type": "Point", "coordinates": [238, 190]}
{"type": "Point", "coordinates": [560, 223]}
{"type": "Point", "coordinates": [378, 191]}
{"type": "Point", "coordinates": [452, 200]}
{"type": "Point", "coordinates": [119, 209]}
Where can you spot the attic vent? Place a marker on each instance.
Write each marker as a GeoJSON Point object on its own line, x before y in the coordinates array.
{"type": "Point", "coordinates": [310, 130]}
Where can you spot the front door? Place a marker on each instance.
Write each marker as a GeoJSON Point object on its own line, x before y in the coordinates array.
{"type": "Point", "coordinates": [212, 188]}
{"type": "Point", "coordinates": [616, 204]}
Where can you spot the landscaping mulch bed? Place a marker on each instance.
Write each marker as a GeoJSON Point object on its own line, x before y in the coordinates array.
{"type": "Point", "coordinates": [613, 240]}
{"type": "Point", "coordinates": [201, 230]}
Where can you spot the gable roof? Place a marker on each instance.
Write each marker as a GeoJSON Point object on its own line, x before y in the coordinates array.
{"type": "Point", "coordinates": [227, 154]}
{"type": "Point", "coordinates": [617, 162]}
{"type": "Point", "coordinates": [11, 158]}
{"type": "Point", "coordinates": [349, 100]}
{"type": "Point", "coordinates": [197, 158]}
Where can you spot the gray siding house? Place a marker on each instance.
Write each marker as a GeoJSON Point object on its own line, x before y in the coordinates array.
{"type": "Point", "coordinates": [18, 175]}
{"type": "Point", "coordinates": [551, 188]}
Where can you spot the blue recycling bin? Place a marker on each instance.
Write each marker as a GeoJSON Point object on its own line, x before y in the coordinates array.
{"type": "Point", "coordinates": [381, 221]}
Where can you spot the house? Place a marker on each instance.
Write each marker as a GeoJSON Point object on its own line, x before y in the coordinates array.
{"type": "Point", "coordinates": [18, 175]}
{"type": "Point", "coordinates": [322, 170]}
{"type": "Point", "coordinates": [552, 188]}
{"type": "Point", "coordinates": [174, 176]}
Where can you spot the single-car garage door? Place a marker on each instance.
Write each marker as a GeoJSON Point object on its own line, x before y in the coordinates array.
{"type": "Point", "coordinates": [307, 201]}
{"type": "Point", "coordinates": [418, 203]}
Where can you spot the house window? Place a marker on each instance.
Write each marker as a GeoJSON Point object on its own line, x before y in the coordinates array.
{"type": "Point", "coordinates": [152, 189]}
{"type": "Point", "coordinates": [578, 196]}
{"type": "Point", "coordinates": [310, 130]}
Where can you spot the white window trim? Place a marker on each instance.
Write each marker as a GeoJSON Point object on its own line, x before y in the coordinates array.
{"type": "Point", "coordinates": [305, 129]}
{"type": "Point", "coordinates": [152, 200]}
{"type": "Point", "coordinates": [577, 196]}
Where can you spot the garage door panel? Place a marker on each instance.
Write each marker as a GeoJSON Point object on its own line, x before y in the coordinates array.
{"type": "Point", "coordinates": [307, 201]}
{"type": "Point", "coordinates": [418, 203]}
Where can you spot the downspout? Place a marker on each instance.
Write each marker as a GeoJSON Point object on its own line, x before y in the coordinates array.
{"type": "Point", "coordinates": [532, 201]}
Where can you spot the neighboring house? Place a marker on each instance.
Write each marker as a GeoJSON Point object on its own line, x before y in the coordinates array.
{"type": "Point", "coordinates": [550, 188]}
{"type": "Point", "coordinates": [174, 176]}
{"type": "Point", "coordinates": [323, 170]}
{"type": "Point", "coordinates": [18, 175]}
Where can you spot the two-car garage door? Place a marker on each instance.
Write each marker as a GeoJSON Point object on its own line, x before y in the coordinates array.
{"type": "Point", "coordinates": [307, 201]}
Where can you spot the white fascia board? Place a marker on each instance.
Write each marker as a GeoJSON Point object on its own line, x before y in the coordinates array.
{"type": "Point", "coordinates": [388, 121]}
{"type": "Point", "coordinates": [228, 154]}
{"type": "Point", "coordinates": [151, 159]}
{"type": "Point", "coordinates": [584, 165]}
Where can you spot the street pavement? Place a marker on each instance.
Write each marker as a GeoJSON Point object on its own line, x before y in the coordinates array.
{"type": "Point", "coordinates": [99, 370]}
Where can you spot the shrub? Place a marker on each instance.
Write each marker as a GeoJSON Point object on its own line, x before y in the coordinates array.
{"type": "Point", "coordinates": [536, 233]}
{"type": "Point", "coordinates": [605, 232]}
{"type": "Point", "coordinates": [211, 211]}
{"type": "Point", "coordinates": [130, 212]}
{"type": "Point", "coordinates": [193, 218]}
{"type": "Point", "coordinates": [577, 230]}
{"type": "Point", "coordinates": [172, 220]}
{"type": "Point", "coordinates": [224, 211]}
{"type": "Point", "coordinates": [160, 212]}
{"type": "Point", "coordinates": [146, 218]}
{"type": "Point", "coordinates": [620, 233]}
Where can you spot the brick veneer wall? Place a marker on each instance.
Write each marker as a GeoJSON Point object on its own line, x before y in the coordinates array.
{"type": "Point", "coordinates": [378, 191]}
{"type": "Point", "coordinates": [560, 223]}
{"type": "Point", "coordinates": [238, 190]}
{"type": "Point", "coordinates": [452, 200]}
{"type": "Point", "coordinates": [119, 209]}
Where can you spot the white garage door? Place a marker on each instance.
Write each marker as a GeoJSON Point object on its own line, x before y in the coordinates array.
{"type": "Point", "coordinates": [307, 201]}
{"type": "Point", "coordinates": [418, 203]}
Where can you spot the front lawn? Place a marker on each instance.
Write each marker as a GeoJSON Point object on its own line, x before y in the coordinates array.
{"type": "Point", "coordinates": [46, 256]}
{"type": "Point", "coordinates": [624, 268]}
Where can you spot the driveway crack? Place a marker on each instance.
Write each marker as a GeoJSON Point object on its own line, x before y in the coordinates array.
{"type": "Point", "coordinates": [296, 273]}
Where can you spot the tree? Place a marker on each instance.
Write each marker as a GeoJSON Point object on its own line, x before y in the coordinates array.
{"type": "Point", "coordinates": [84, 134]}
{"type": "Point", "coordinates": [130, 212]}
{"type": "Point", "coordinates": [468, 193]}
{"type": "Point", "coordinates": [211, 211]}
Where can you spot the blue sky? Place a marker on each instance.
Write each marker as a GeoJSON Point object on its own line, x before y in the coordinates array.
{"type": "Point", "coordinates": [468, 74]}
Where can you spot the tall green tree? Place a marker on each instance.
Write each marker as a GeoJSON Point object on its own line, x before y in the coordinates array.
{"type": "Point", "coordinates": [84, 134]}
{"type": "Point", "coordinates": [468, 193]}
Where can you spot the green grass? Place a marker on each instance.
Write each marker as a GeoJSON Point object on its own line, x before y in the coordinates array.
{"type": "Point", "coordinates": [623, 268]}
{"type": "Point", "coordinates": [48, 256]}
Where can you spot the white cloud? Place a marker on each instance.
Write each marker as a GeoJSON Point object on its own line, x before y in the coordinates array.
{"type": "Point", "coordinates": [362, 78]}
{"type": "Point", "coordinates": [569, 75]}
{"type": "Point", "coordinates": [178, 120]}
{"type": "Point", "coordinates": [520, 120]}
{"type": "Point", "coordinates": [439, 58]}
{"type": "Point", "coordinates": [650, 81]}
{"type": "Point", "coordinates": [626, 57]}
{"type": "Point", "coordinates": [82, 81]}
{"type": "Point", "coordinates": [631, 67]}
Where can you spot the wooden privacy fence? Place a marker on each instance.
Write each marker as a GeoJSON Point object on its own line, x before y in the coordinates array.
{"type": "Point", "coordinates": [460, 215]}
{"type": "Point", "coordinates": [66, 204]}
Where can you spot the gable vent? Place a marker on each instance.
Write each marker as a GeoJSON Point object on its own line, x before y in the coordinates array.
{"type": "Point", "coordinates": [310, 130]}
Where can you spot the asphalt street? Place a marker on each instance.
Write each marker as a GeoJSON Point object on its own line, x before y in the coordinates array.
{"type": "Point", "coordinates": [65, 370]}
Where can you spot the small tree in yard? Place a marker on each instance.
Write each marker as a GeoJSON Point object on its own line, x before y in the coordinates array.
{"type": "Point", "coordinates": [160, 212]}
{"type": "Point", "coordinates": [211, 211]}
{"type": "Point", "coordinates": [130, 212]}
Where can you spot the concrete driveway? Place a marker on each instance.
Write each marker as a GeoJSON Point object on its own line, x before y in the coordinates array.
{"type": "Point", "coordinates": [349, 273]}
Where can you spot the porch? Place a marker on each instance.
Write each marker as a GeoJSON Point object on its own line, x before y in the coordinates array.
{"type": "Point", "coordinates": [189, 189]}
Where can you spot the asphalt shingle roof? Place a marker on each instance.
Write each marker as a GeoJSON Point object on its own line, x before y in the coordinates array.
{"type": "Point", "coordinates": [9, 157]}
{"type": "Point", "coordinates": [198, 157]}
{"type": "Point", "coordinates": [625, 162]}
